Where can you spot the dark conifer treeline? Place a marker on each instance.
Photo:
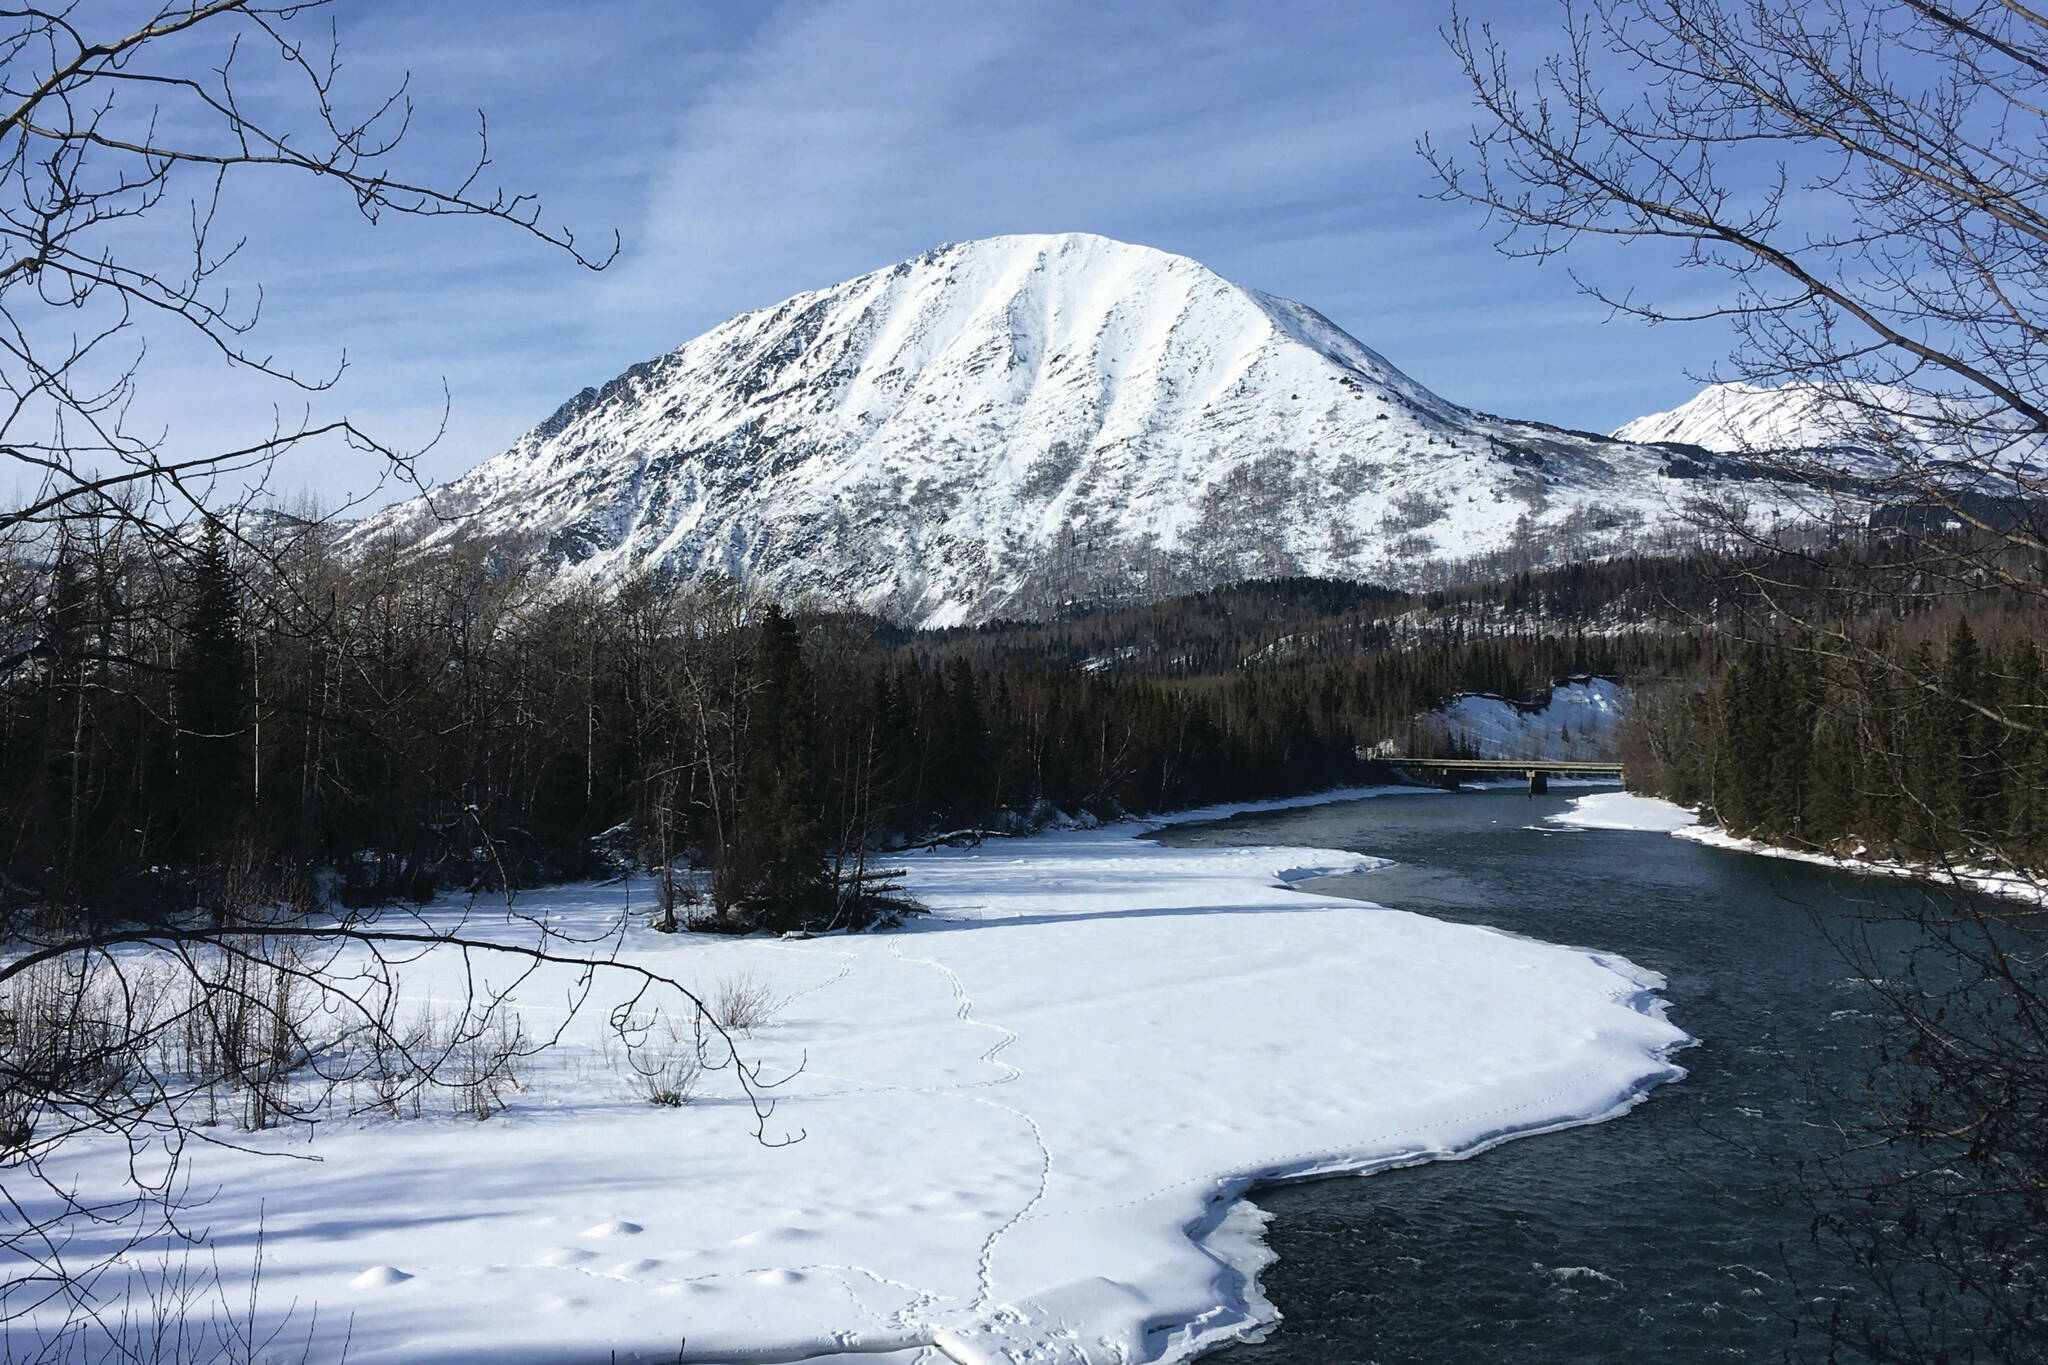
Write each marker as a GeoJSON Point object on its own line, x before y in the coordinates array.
{"type": "Point", "coordinates": [1936, 756]}
{"type": "Point", "coordinates": [1310, 620]}
{"type": "Point", "coordinates": [171, 719]}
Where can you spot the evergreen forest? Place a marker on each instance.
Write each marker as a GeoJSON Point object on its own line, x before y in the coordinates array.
{"type": "Point", "coordinates": [222, 716]}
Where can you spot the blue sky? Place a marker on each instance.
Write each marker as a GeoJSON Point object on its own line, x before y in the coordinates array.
{"type": "Point", "coordinates": [748, 152]}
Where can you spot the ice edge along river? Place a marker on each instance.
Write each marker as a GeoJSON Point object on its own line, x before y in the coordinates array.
{"type": "Point", "coordinates": [1027, 1121]}
{"type": "Point", "coordinates": [1624, 810]}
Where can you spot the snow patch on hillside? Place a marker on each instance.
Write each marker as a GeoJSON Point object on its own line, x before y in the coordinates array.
{"type": "Point", "coordinates": [1579, 721]}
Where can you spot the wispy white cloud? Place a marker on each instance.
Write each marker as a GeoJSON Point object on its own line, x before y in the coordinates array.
{"type": "Point", "coordinates": [746, 153]}
{"type": "Point", "coordinates": [855, 133]}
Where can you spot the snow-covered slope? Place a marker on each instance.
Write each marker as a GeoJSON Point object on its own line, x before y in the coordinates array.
{"type": "Point", "coordinates": [1735, 417]}
{"type": "Point", "coordinates": [1579, 721]}
{"type": "Point", "coordinates": [1864, 429]}
{"type": "Point", "coordinates": [995, 427]}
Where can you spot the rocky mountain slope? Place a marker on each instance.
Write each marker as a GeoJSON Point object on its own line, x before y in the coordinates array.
{"type": "Point", "coordinates": [999, 427]}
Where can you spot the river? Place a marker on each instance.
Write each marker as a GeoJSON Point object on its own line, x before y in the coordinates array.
{"type": "Point", "coordinates": [1658, 1235]}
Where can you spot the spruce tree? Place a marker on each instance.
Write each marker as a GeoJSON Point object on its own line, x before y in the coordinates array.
{"type": "Point", "coordinates": [1930, 756]}
{"type": "Point", "coordinates": [63, 645]}
{"type": "Point", "coordinates": [964, 769]}
{"type": "Point", "coordinates": [212, 703]}
{"type": "Point", "coordinates": [1875, 765]}
{"type": "Point", "coordinates": [2024, 757]}
{"type": "Point", "coordinates": [1742, 767]}
{"type": "Point", "coordinates": [1790, 721]}
{"type": "Point", "coordinates": [1970, 779]}
{"type": "Point", "coordinates": [776, 871]}
{"type": "Point", "coordinates": [1832, 810]}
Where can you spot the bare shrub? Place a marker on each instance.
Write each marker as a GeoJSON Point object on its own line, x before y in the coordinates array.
{"type": "Point", "coordinates": [178, 1307]}
{"type": "Point", "coordinates": [678, 897]}
{"type": "Point", "coordinates": [93, 1039]}
{"type": "Point", "coordinates": [663, 1064]}
{"type": "Point", "coordinates": [70, 1043]}
{"type": "Point", "coordinates": [743, 1003]}
{"type": "Point", "coordinates": [240, 1031]}
{"type": "Point", "coordinates": [488, 1064]}
{"type": "Point", "coordinates": [388, 1068]}
{"type": "Point", "coordinates": [478, 1056]}
{"type": "Point", "coordinates": [1412, 511]}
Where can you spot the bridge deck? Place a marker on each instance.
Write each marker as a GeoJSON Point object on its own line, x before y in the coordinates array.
{"type": "Point", "coordinates": [1518, 765]}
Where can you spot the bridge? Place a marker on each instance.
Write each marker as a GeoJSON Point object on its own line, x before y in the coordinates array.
{"type": "Point", "coordinates": [1539, 770]}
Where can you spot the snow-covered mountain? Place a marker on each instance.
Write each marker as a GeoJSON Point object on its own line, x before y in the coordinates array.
{"type": "Point", "coordinates": [1872, 430]}
{"type": "Point", "coordinates": [996, 427]}
{"type": "Point", "coordinates": [1737, 417]}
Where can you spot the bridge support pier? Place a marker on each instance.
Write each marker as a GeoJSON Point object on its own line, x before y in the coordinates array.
{"type": "Point", "coordinates": [1539, 782]}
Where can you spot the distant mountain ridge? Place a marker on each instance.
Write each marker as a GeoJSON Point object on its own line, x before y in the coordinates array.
{"type": "Point", "coordinates": [1875, 431]}
{"type": "Point", "coordinates": [997, 427]}
{"type": "Point", "coordinates": [1736, 417]}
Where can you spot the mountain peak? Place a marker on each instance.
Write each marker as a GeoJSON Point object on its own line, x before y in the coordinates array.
{"type": "Point", "coordinates": [1735, 416]}
{"type": "Point", "coordinates": [1004, 425]}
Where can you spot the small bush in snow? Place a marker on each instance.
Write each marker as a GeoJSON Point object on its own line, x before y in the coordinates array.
{"type": "Point", "coordinates": [742, 1003]}
{"type": "Point", "coordinates": [663, 1064]}
{"type": "Point", "coordinates": [478, 1056]}
{"type": "Point", "coordinates": [488, 1059]}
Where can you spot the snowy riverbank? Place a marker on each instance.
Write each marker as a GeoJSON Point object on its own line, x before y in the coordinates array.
{"type": "Point", "coordinates": [1978, 879]}
{"type": "Point", "coordinates": [1026, 1123]}
{"type": "Point", "coordinates": [1624, 810]}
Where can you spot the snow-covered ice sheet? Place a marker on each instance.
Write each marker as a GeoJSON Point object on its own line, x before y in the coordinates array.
{"type": "Point", "coordinates": [1625, 810]}
{"type": "Point", "coordinates": [1027, 1122]}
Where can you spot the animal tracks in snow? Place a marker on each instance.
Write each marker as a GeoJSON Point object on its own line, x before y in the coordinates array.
{"type": "Point", "coordinates": [964, 1012]}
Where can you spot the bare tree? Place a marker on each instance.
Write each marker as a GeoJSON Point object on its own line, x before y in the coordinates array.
{"type": "Point", "coordinates": [264, 1004]}
{"type": "Point", "coordinates": [1863, 186]}
{"type": "Point", "coordinates": [99, 131]}
{"type": "Point", "coordinates": [1869, 186]}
